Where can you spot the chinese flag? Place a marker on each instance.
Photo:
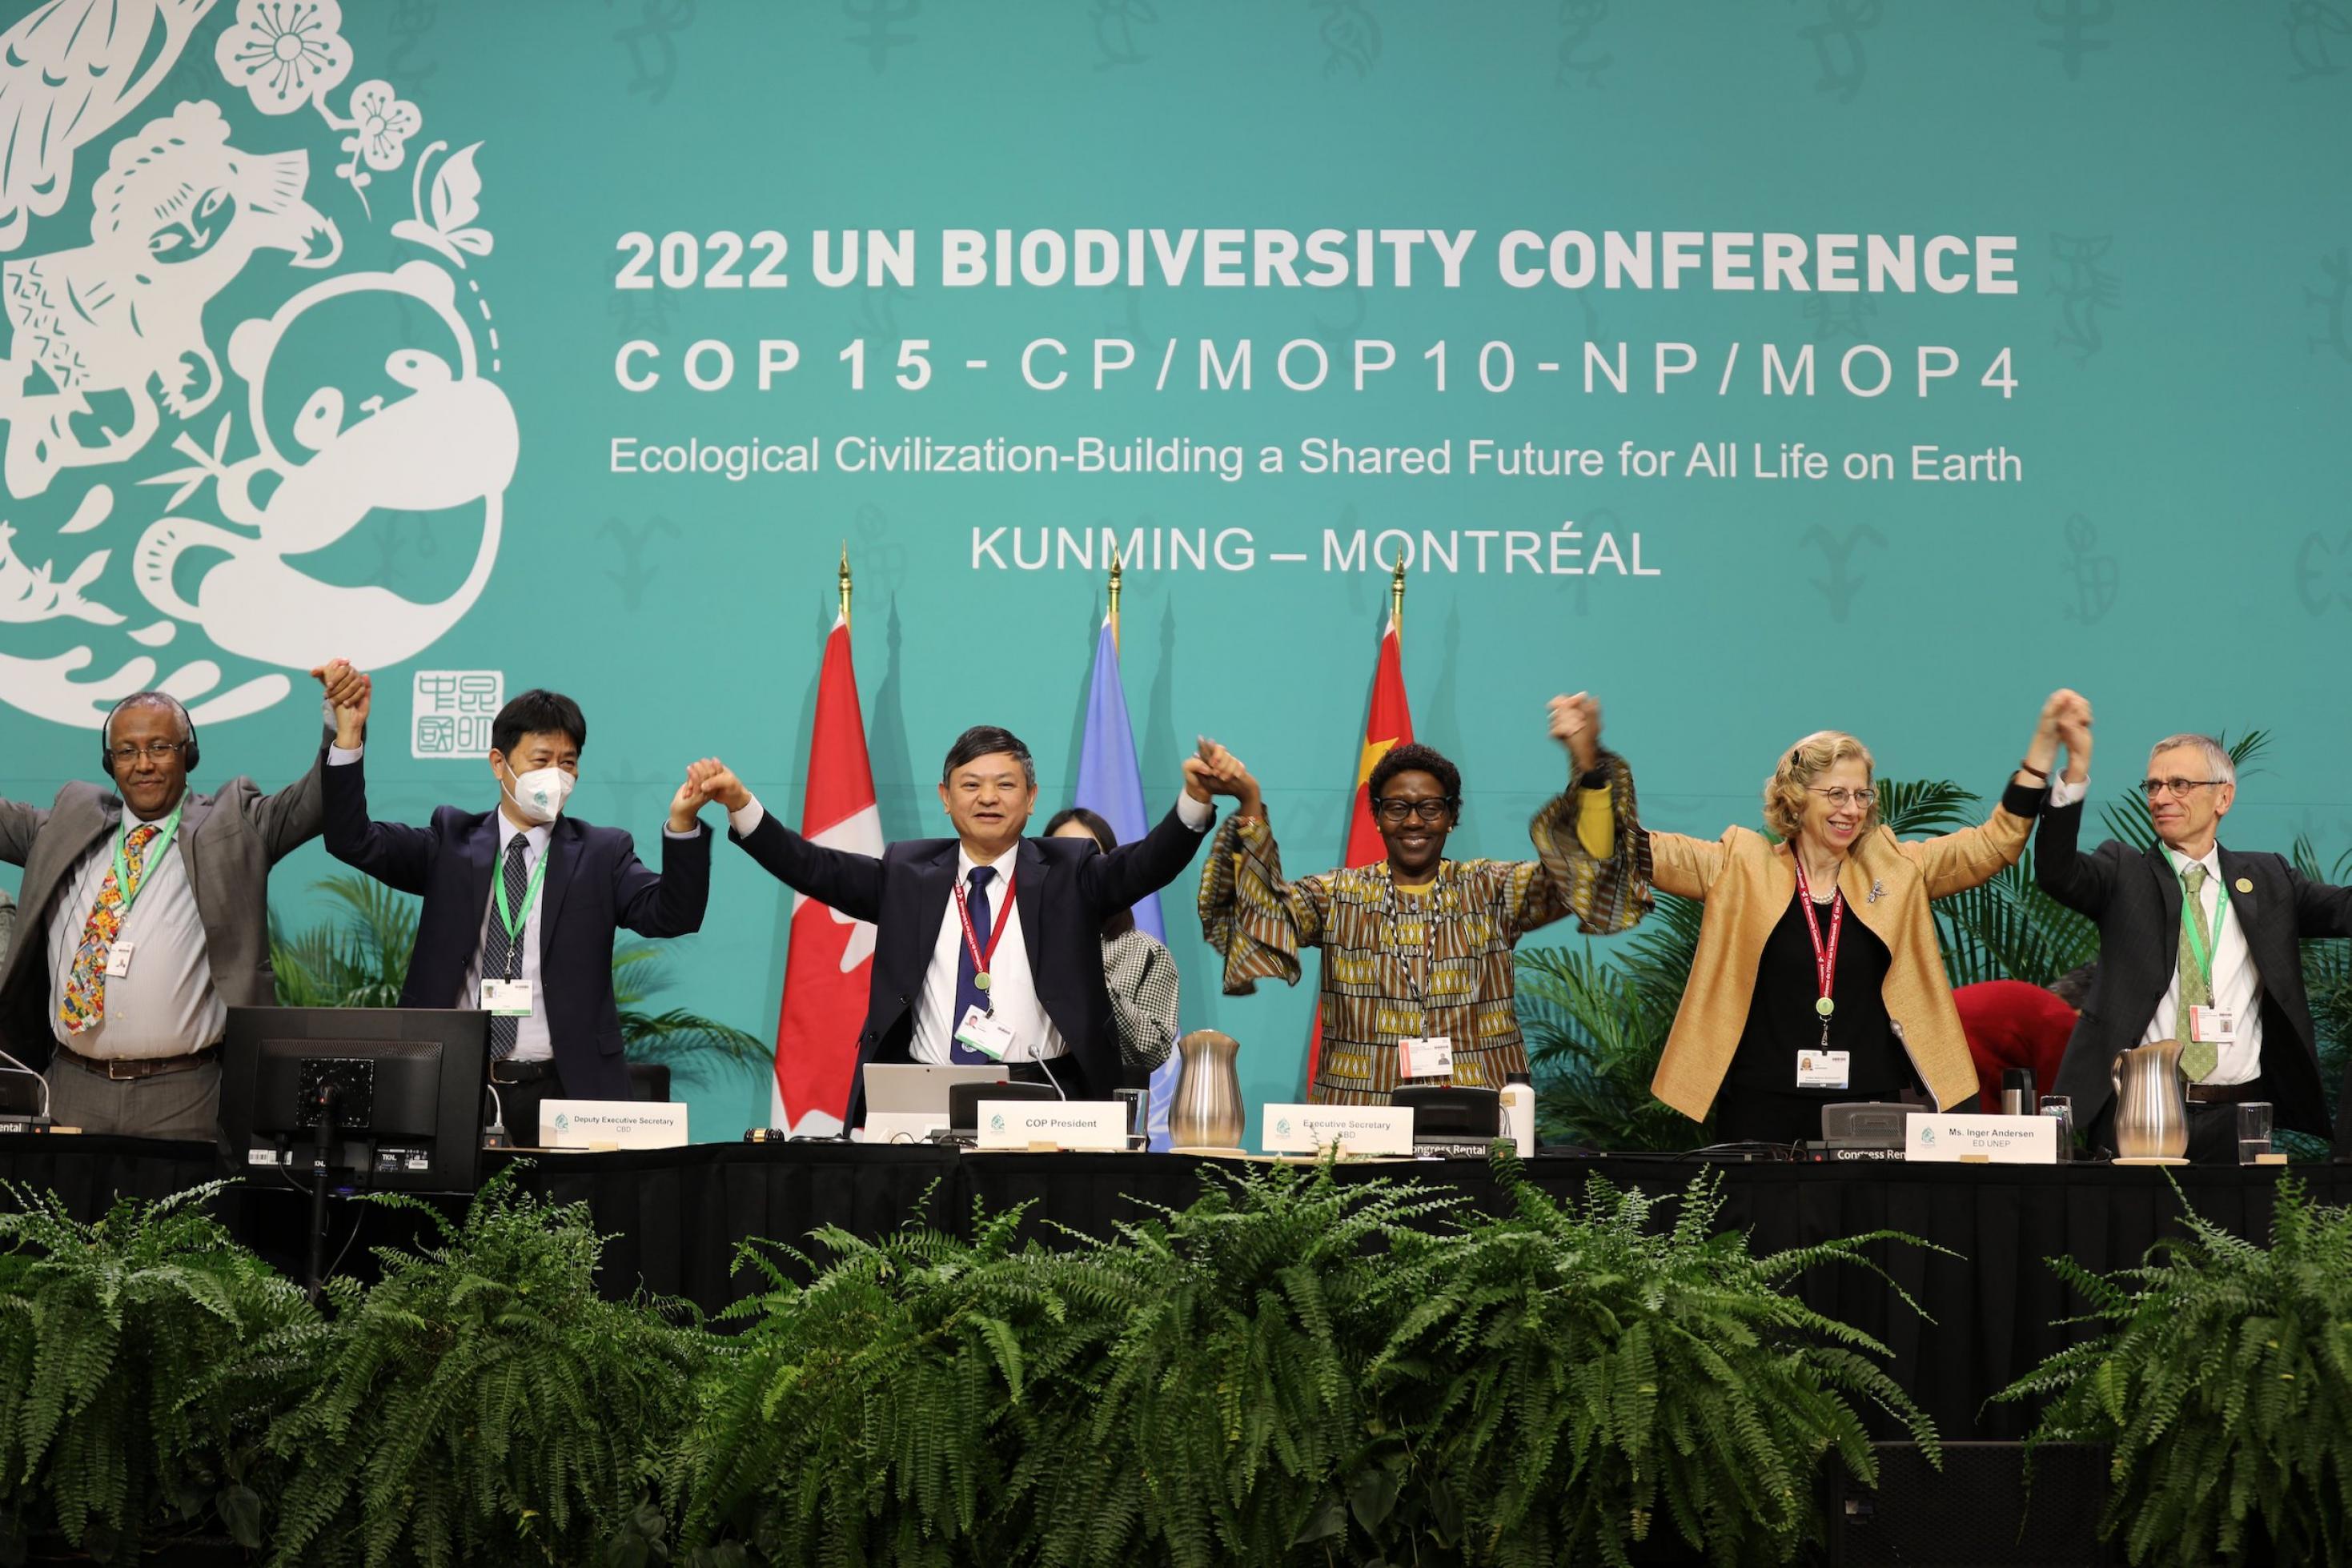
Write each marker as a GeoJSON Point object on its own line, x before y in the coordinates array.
{"type": "Point", "coordinates": [825, 967]}
{"type": "Point", "coordinates": [1389, 724]}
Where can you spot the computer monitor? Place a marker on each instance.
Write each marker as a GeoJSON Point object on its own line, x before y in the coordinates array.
{"type": "Point", "coordinates": [407, 1094]}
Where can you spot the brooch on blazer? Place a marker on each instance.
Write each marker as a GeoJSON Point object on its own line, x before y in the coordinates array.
{"type": "Point", "coordinates": [1876, 888]}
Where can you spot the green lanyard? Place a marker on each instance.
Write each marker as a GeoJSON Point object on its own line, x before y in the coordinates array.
{"type": "Point", "coordinates": [515, 921]}
{"type": "Point", "coordinates": [2201, 948]}
{"type": "Point", "coordinates": [164, 834]}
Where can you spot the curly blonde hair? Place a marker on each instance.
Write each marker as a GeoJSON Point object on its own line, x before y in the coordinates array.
{"type": "Point", "coordinates": [1784, 792]}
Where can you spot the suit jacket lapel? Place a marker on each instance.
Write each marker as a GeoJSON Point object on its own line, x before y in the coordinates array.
{"type": "Point", "coordinates": [1028, 892]}
{"type": "Point", "coordinates": [481, 855]}
{"type": "Point", "coordinates": [562, 859]}
{"type": "Point", "coordinates": [934, 885]}
{"type": "Point", "coordinates": [191, 816]}
{"type": "Point", "coordinates": [2168, 899]}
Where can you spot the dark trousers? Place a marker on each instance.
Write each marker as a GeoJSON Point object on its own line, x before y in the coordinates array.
{"type": "Point", "coordinates": [519, 1103]}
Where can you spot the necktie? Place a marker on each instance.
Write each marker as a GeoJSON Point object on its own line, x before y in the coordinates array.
{"type": "Point", "coordinates": [2197, 1058]}
{"type": "Point", "coordinates": [968, 992]}
{"type": "Point", "coordinates": [84, 1005]}
{"type": "Point", "coordinates": [502, 953]}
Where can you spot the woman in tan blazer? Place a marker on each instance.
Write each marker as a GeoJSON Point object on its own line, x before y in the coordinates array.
{"type": "Point", "coordinates": [1818, 977]}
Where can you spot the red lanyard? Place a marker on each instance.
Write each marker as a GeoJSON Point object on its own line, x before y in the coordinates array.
{"type": "Point", "coordinates": [980, 959]}
{"type": "Point", "coordinates": [1824, 953]}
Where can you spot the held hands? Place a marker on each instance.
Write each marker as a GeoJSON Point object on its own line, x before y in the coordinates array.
{"type": "Point", "coordinates": [707, 780]}
{"type": "Point", "coordinates": [2074, 734]}
{"type": "Point", "coordinates": [1213, 771]}
{"type": "Point", "coordinates": [1576, 724]}
{"type": "Point", "coordinates": [2065, 712]}
{"type": "Point", "coordinates": [351, 693]}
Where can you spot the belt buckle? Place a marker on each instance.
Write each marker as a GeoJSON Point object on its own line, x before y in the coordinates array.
{"type": "Point", "coordinates": [117, 1070]}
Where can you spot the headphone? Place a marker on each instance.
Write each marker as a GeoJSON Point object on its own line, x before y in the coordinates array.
{"type": "Point", "coordinates": [189, 755]}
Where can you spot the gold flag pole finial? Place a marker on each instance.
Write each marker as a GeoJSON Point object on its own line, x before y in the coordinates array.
{"type": "Point", "coordinates": [1396, 596]}
{"type": "Point", "coordinates": [844, 583]}
{"type": "Point", "coordinates": [1117, 566]}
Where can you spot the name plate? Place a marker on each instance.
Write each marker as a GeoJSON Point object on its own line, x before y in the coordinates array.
{"type": "Point", "coordinates": [1998, 1140]}
{"type": "Point", "coordinates": [1065, 1124]}
{"type": "Point", "coordinates": [1357, 1129]}
{"type": "Point", "coordinates": [625, 1124]}
{"type": "Point", "coordinates": [899, 1126]}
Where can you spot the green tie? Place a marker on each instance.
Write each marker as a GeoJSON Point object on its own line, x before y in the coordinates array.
{"type": "Point", "coordinates": [2197, 1058]}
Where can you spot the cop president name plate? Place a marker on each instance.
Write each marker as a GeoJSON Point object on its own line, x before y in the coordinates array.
{"type": "Point", "coordinates": [1357, 1129]}
{"type": "Point", "coordinates": [621, 1124]}
{"type": "Point", "coordinates": [1066, 1123]}
{"type": "Point", "coordinates": [1995, 1140]}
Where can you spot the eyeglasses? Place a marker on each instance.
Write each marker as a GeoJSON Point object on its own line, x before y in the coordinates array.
{"type": "Point", "coordinates": [154, 752]}
{"type": "Point", "coordinates": [1840, 799]}
{"type": "Point", "coordinates": [2157, 789]}
{"type": "Point", "coordinates": [1431, 811]}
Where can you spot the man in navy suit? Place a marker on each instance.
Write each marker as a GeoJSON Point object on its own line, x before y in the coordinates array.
{"type": "Point", "coordinates": [521, 903]}
{"type": "Point", "coordinates": [958, 976]}
{"type": "Point", "coordinates": [2197, 942]}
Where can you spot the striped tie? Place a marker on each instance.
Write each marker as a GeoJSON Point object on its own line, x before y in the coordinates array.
{"type": "Point", "coordinates": [85, 999]}
{"type": "Point", "coordinates": [502, 957]}
{"type": "Point", "coordinates": [2197, 1058]}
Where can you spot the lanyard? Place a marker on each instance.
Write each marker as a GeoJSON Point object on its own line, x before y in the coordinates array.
{"type": "Point", "coordinates": [980, 960]}
{"type": "Point", "coordinates": [1824, 953]}
{"type": "Point", "coordinates": [516, 921]}
{"type": "Point", "coordinates": [2201, 948]}
{"type": "Point", "coordinates": [164, 833]}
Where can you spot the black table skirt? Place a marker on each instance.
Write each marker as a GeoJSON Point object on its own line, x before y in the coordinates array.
{"type": "Point", "coordinates": [677, 1217]}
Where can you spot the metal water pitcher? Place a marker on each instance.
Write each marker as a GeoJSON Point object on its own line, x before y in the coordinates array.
{"type": "Point", "coordinates": [2151, 1105]}
{"type": "Point", "coordinates": [1207, 1114]}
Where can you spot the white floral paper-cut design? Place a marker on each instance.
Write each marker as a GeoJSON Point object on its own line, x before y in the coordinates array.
{"type": "Point", "coordinates": [384, 122]}
{"type": "Point", "coordinates": [455, 205]}
{"type": "Point", "coordinates": [285, 54]}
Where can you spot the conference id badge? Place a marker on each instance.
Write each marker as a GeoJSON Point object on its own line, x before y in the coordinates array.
{"type": "Point", "coordinates": [1821, 1069]}
{"type": "Point", "coordinates": [2209, 1025]}
{"type": "Point", "coordinates": [984, 1032]}
{"type": "Point", "coordinates": [507, 999]}
{"type": "Point", "coordinates": [118, 961]}
{"type": "Point", "coordinates": [1430, 1058]}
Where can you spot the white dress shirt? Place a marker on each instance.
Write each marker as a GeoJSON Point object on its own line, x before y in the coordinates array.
{"type": "Point", "coordinates": [2237, 986]}
{"type": "Point", "coordinates": [1013, 989]}
{"type": "Point", "coordinates": [166, 1006]}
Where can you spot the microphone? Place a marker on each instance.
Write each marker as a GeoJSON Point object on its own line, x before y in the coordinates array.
{"type": "Point", "coordinates": [1043, 1067]}
{"type": "Point", "coordinates": [39, 1118]}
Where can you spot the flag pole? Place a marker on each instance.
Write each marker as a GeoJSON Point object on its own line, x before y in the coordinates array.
{"type": "Point", "coordinates": [1115, 567]}
{"type": "Point", "coordinates": [1396, 597]}
{"type": "Point", "coordinates": [844, 583]}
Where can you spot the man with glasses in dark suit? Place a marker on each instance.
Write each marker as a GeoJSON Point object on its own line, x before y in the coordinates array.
{"type": "Point", "coordinates": [2197, 942]}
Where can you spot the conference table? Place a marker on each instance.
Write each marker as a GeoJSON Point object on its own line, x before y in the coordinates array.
{"type": "Point", "coordinates": [677, 1217]}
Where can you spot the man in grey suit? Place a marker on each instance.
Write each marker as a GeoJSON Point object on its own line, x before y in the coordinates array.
{"type": "Point", "coordinates": [144, 917]}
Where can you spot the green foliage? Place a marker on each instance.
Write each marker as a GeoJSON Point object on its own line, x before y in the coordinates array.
{"type": "Point", "coordinates": [1291, 1370]}
{"type": "Point", "coordinates": [109, 1332]}
{"type": "Point", "coordinates": [2223, 1385]}
{"type": "Point", "coordinates": [481, 1404]}
{"type": "Point", "coordinates": [1596, 1027]}
{"type": "Point", "coordinates": [362, 961]}
{"type": "Point", "coordinates": [1571, 1375]}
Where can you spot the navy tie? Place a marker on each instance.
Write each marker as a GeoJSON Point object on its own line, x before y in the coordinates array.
{"type": "Point", "coordinates": [968, 992]}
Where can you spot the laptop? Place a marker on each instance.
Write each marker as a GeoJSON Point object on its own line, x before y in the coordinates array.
{"type": "Point", "coordinates": [920, 1089]}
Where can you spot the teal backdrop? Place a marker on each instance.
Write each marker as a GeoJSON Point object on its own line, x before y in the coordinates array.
{"type": "Point", "coordinates": [2172, 538]}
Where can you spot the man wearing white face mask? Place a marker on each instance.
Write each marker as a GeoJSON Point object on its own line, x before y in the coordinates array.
{"type": "Point", "coordinates": [523, 903]}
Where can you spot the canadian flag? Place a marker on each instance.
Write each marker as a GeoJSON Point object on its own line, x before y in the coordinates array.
{"type": "Point", "coordinates": [1388, 724]}
{"type": "Point", "coordinates": [826, 967]}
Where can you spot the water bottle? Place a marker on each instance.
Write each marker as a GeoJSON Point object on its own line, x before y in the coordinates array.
{"type": "Point", "coordinates": [1519, 1113]}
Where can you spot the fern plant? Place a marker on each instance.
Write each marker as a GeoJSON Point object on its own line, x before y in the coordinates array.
{"type": "Point", "coordinates": [2221, 1384]}
{"type": "Point", "coordinates": [111, 1433]}
{"type": "Point", "coordinates": [1578, 1374]}
{"type": "Point", "coordinates": [879, 1413]}
{"type": "Point", "coordinates": [482, 1403]}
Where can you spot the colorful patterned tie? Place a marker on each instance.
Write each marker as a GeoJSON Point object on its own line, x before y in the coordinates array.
{"type": "Point", "coordinates": [85, 999]}
{"type": "Point", "coordinates": [2197, 1058]}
